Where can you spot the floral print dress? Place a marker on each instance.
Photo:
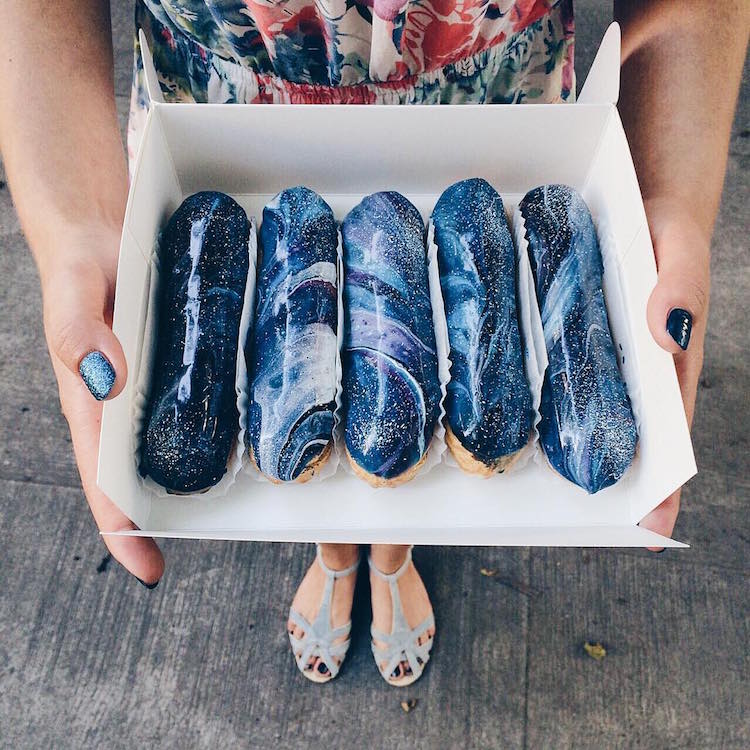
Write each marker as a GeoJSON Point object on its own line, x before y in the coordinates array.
{"type": "Point", "coordinates": [355, 52]}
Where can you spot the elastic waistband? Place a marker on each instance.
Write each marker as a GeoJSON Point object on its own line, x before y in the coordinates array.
{"type": "Point", "coordinates": [204, 75]}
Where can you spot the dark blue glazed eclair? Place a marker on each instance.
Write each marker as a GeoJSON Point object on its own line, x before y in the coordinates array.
{"type": "Point", "coordinates": [292, 356]}
{"type": "Point", "coordinates": [191, 418]}
{"type": "Point", "coordinates": [587, 427]}
{"type": "Point", "coordinates": [391, 392]}
{"type": "Point", "coordinates": [488, 402]}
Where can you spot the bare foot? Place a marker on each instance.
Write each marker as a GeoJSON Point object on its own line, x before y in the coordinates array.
{"type": "Point", "coordinates": [414, 599]}
{"type": "Point", "coordinates": [309, 596]}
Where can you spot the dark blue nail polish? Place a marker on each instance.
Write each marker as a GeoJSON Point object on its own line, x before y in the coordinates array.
{"type": "Point", "coordinates": [98, 374]}
{"type": "Point", "coordinates": [147, 585]}
{"type": "Point", "coordinates": [679, 325]}
{"type": "Point", "coordinates": [322, 668]}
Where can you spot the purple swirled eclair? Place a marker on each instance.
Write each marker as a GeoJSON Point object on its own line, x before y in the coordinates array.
{"type": "Point", "coordinates": [391, 392]}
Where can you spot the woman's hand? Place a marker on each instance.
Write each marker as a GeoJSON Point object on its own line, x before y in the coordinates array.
{"type": "Point", "coordinates": [677, 312]}
{"type": "Point", "coordinates": [62, 152]}
{"type": "Point", "coordinates": [78, 285]}
{"type": "Point", "coordinates": [677, 98]}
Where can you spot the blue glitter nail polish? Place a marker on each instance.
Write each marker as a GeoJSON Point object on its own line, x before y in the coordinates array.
{"type": "Point", "coordinates": [98, 374]}
{"type": "Point", "coordinates": [679, 325]}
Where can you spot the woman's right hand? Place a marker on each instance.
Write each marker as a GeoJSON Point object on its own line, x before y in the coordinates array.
{"type": "Point", "coordinates": [78, 286]}
{"type": "Point", "coordinates": [63, 157]}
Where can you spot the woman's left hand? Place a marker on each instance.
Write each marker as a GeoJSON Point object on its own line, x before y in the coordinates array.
{"type": "Point", "coordinates": [677, 313]}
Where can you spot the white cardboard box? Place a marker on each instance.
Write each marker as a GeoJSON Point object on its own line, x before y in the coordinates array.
{"type": "Point", "coordinates": [345, 152]}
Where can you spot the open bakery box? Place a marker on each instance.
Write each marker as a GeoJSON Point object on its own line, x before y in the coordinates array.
{"type": "Point", "coordinates": [345, 152]}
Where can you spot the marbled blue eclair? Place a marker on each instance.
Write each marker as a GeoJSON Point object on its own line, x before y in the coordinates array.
{"type": "Point", "coordinates": [488, 402]}
{"type": "Point", "coordinates": [391, 392]}
{"type": "Point", "coordinates": [191, 417]}
{"type": "Point", "coordinates": [292, 354]}
{"type": "Point", "coordinates": [587, 427]}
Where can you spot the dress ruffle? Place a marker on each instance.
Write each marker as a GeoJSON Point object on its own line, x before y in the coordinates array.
{"type": "Point", "coordinates": [354, 52]}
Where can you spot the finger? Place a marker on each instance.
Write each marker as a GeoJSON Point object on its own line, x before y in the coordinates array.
{"type": "Point", "coordinates": [76, 314]}
{"type": "Point", "coordinates": [139, 555]}
{"type": "Point", "coordinates": [689, 366]}
{"type": "Point", "coordinates": [678, 304]}
{"type": "Point", "coordinates": [661, 519]}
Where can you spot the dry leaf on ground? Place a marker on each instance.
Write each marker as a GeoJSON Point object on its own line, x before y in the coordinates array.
{"type": "Point", "coordinates": [595, 650]}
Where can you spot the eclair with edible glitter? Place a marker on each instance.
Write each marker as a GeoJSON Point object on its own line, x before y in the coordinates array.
{"type": "Point", "coordinates": [291, 354]}
{"type": "Point", "coordinates": [488, 407]}
{"type": "Point", "coordinates": [587, 428]}
{"type": "Point", "coordinates": [192, 420]}
{"type": "Point", "coordinates": [390, 389]}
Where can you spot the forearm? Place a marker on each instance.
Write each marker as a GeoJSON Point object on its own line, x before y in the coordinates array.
{"type": "Point", "coordinates": [682, 64]}
{"type": "Point", "coordinates": [59, 135]}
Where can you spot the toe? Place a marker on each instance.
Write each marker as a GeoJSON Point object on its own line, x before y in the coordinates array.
{"type": "Point", "coordinates": [322, 669]}
{"type": "Point", "coordinates": [402, 669]}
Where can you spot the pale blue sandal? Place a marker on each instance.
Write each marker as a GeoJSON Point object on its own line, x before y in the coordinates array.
{"type": "Point", "coordinates": [402, 643]}
{"type": "Point", "coordinates": [319, 639]}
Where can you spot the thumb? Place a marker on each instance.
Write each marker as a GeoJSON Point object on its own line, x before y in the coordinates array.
{"type": "Point", "coordinates": [77, 317]}
{"type": "Point", "coordinates": [678, 303]}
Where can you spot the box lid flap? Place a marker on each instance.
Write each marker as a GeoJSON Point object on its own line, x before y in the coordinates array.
{"type": "Point", "coordinates": [152, 81]}
{"type": "Point", "coordinates": [602, 84]}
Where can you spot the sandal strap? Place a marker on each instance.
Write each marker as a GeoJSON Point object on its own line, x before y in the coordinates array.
{"type": "Point", "coordinates": [402, 643]}
{"type": "Point", "coordinates": [391, 577]}
{"type": "Point", "coordinates": [335, 574]}
{"type": "Point", "coordinates": [333, 633]}
{"type": "Point", "coordinates": [319, 638]}
{"type": "Point", "coordinates": [317, 643]}
{"type": "Point", "coordinates": [391, 639]}
{"type": "Point", "coordinates": [397, 650]}
{"type": "Point", "coordinates": [392, 657]}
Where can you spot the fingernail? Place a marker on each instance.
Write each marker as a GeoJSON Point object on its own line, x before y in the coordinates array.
{"type": "Point", "coordinates": [147, 585]}
{"type": "Point", "coordinates": [679, 325]}
{"type": "Point", "coordinates": [98, 374]}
